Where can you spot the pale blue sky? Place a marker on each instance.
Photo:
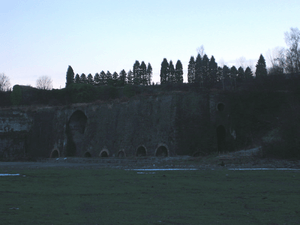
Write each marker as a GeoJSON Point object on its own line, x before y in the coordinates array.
{"type": "Point", "coordinates": [43, 37]}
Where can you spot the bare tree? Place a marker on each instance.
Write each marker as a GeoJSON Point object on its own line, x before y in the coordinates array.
{"type": "Point", "coordinates": [44, 82]}
{"type": "Point", "coordinates": [276, 60]}
{"type": "Point", "coordinates": [201, 51]}
{"type": "Point", "coordinates": [292, 40]}
{"type": "Point", "coordinates": [4, 82]}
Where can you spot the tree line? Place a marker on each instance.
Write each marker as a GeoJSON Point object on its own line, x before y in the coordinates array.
{"type": "Point", "coordinates": [140, 75]}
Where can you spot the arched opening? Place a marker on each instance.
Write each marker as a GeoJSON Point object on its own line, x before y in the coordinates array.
{"type": "Point", "coordinates": [87, 155]}
{"type": "Point", "coordinates": [54, 154]}
{"type": "Point", "coordinates": [121, 154]}
{"type": "Point", "coordinates": [75, 132]}
{"type": "Point", "coordinates": [162, 151]}
{"type": "Point", "coordinates": [104, 153]}
{"type": "Point", "coordinates": [221, 107]}
{"type": "Point", "coordinates": [221, 138]}
{"type": "Point", "coordinates": [141, 151]}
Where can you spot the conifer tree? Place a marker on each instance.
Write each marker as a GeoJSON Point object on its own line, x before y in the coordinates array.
{"type": "Point", "coordinates": [83, 79]}
{"type": "Point", "coordinates": [77, 79]}
{"type": "Point", "coordinates": [164, 71]}
{"type": "Point", "coordinates": [103, 80]}
{"type": "Point", "coordinates": [109, 79]}
{"type": "Point", "coordinates": [261, 68]}
{"type": "Point", "coordinates": [122, 78]}
{"type": "Point", "coordinates": [191, 70]}
{"type": "Point", "coordinates": [241, 74]}
{"type": "Point", "coordinates": [115, 77]}
{"type": "Point", "coordinates": [171, 72]}
{"type": "Point", "coordinates": [96, 79]}
{"type": "Point", "coordinates": [179, 72]}
{"type": "Point", "coordinates": [248, 73]}
{"type": "Point", "coordinates": [90, 79]}
{"type": "Point", "coordinates": [70, 76]}
{"type": "Point", "coordinates": [143, 77]}
{"type": "Point", "coordinates": [198, 70]}
{"type": "Point", "coordinates": [205, 71]}
{"type": "Point", "coordinates": [136, 73]}
{"type": "Point", "coordinates": [130, 77]}
{"type": "Point", "coordinates": [213, 69]}
{"type": "Point", "coordinates": [149, 74]}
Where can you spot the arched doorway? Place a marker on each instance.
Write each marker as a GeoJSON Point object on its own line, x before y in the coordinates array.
{"type": "Point", "coordinates": [141, 151]}
{"type": "Point", "coordinates": [104, 153]}
{"type": "Point", "coordinates": [121, 154]}
{"type": "Point", "coordinates": [221, 138]}
{"type": "Point", "coordinates": [75, 132]}
{"type": "Point", "coordinates": [162, 151]}
{"type": "Point", "coordinates": [54, 153]}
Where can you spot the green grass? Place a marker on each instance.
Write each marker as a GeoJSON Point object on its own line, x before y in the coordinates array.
{"type": "Point", "coordinates": [91, 196]}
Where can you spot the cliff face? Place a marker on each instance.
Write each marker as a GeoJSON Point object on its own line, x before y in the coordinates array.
{"type": "Point", "coordinates": [171, 124]}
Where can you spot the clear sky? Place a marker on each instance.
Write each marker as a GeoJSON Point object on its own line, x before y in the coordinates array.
{"type": "Point", "coordinates": [43, 37]}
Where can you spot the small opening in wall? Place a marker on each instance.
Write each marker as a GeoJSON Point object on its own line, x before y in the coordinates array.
{"type": "Point", "coordinates": [141, 151]}
{"type": "Point", "coordinates": [221, 107]}
{"type": "Point", "coordinates": [87, 155]}
{"type": "Point", "coordinates": [121, 154]}
{"type": "Point", "coordinates": [104, 154]}
{"type": "Point", "coordinates": [54, 154]}
{"type": "Point", "coordinates": [162, 151]}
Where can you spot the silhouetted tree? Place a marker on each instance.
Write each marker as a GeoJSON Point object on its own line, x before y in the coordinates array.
{"type": "Point", "coordinates": [248, 73]}
{"type": "Point", "coordinates": [205, 71]}
{"type": "Point", "coordinates": [292, 40]}
{"type": "Point", "coordinates": [122, 78]}
{"type": "Point", "coordinates": [77, 78]}
{"type": "Point", "coordinates": [171, 72]}
{"type": "Point", "coordinates": [109, 79]}
{"type": "Point", "coordinates": [83, 79]}
{"type": "Point", "coordinates": [90, 79]}
{"type": "Point", "coordinates": [97, 79]}
{"type": "Point", "coordinates": [4, 82]}
{"type": "Point", "coordinates": [213, 69]}
{"type": "Point", "coordinates": [261, 68]}
{"type": "Point", "coordinates": [149, 73]}
{"type": "Point", "coordinates": [143, 75]}
{"type": "Point", "coordinates": [233, 75]}
{"type": "Point", "coordinates": [44, 82]}
{"type": "Point", "coordinates": [191, 70]}
{"type": "Point", "coordinates": [198, 70]}
{"type": "Point", "coordinates": [69, 76]}
{"type": "Point", "coordinates": [164, 71]}
{"type": "Point", "coordinates": [136, 73]}
{"type": "Point", "coordinates": [103, 80]}
{"type": "Point", "coordinates": [241, 74]}
{"type": "Point", "coordinates": [115, 77]}
{"type": "Point", "coordinates": [130, 77]}
{"type": "Point", "coordinates": [179, 72]}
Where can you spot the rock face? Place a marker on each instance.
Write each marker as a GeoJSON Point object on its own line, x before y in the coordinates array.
{"type": "Point", "coordinates": [172, 124]}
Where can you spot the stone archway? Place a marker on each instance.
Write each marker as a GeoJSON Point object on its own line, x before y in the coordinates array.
{"type": "Point", "coordinates": [55, 153]}
{"type": "Point", "coordinates": [141, 151]}
{"type": "Point", "coordinates": [121, 154]}
{"type": "Point", "coordinates": [221, 138]}
{"type": "Point", "coordinates": [75, 132]}
{"type": "Point", "coordinates": [162, 151]}
{"type": "Point", "coordinates": [104, 153]}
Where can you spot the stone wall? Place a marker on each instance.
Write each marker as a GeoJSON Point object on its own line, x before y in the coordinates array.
{"type": "Point", "coordinates": [183, 123]}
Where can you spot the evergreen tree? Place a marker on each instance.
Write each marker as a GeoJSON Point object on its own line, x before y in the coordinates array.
{"type": "Point", "coordinates": [205, 71]}
{"type": "Point", "coordinates": [136, 73]}
{"type": "Point", "coordinates": [103, 80]}
{"type": "Point", "coordinates": [164, 71]}
{"type": "Point", "coordinates": [143, 76]}
{"type": "Point", "coordinates": [191, 70]}
{"type": "Point", "coordinates": [171, 72]}
{"type": "Point", "coordinates": [109, 79]}
{"type": "Point", "coordinates": [90, 79]}
{"type": "Point", "coordinates": [198, 70]}
{"type": "Point", "coordinates": [77, 79]}
{"type": "Point", "coordinates": [149, 74]}
{"type": "Point", "coordinates": [122, 78]}
{"type": "Point", "coordinates": [115, 77]}
{"type": "Point", "coordinates": [179, 72]}
{"type": "Point", "coordinates": [241, 74]}
{"type": "Point", "coordinates": [69, 76]}
{"type": "Point", "coordinates": [83, 79]}
{"type": "Point", "coordinates": [213, 69]}
{"type": "Point", "coordinates": [130, 77]}
{"type": "Point", "coordinates": [233, 76]}
{"type": "Point", "coordinates": [248, 73]}
{"type": "Point", "coordinates": [97, 79]}
{"type": "Point", "coordinates": [261, 68]}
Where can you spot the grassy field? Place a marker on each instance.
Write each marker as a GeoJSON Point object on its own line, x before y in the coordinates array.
{"type": "Point", "coordinates": [102, 196]}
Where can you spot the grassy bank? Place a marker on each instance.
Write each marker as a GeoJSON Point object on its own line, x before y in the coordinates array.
{"type": "Point", "coordinates": [91, 196]}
